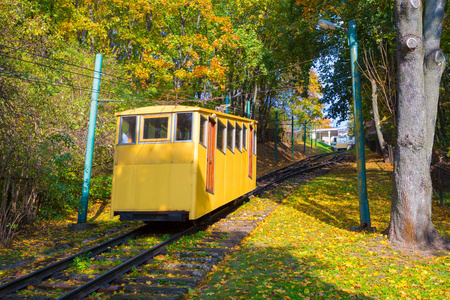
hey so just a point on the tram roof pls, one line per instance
(161, 109)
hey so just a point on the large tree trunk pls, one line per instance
(420, 66)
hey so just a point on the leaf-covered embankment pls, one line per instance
(305, 250)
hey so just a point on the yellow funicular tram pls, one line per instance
(178, 163)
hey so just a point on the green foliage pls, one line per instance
(82, 263)
(101, 188)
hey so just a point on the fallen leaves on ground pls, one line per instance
(45, 241)
(305, 250)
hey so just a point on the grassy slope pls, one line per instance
(304, 250)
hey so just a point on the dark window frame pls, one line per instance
(136, 125)
(245, 137)
(175, 133)
(232, 143)
(238, 143)
(255, 136)
(205, 133)
(224, 137)
(168, 139)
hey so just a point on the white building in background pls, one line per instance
(328, 135)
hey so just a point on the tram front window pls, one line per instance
(128, 130)
(184, 127)
(156, 128)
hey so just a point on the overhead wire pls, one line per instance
(57, 69)
(49, 58)
(87, 89)
(76, 73)
(58, 60)
(43, 65)
(36, 79)
(177, 93)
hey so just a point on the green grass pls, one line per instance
(305, 250)
(325, 147)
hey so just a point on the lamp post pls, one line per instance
(364, 213)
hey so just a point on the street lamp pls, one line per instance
(364, 214)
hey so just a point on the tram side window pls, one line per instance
(254, 142)
(128, 130)
(245, 137)
(221, 135)
(238, 137)
(184, 127)
(203, 124)
(155, 129)
(230, 136)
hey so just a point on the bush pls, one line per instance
(101, 187)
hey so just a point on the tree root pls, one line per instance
(433, 241)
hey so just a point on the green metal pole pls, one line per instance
(82, 210)
(276, 135)
(249, 106)
(312, 128)
(304, 138)
(227, 101)
(361, 162)
(292, 135)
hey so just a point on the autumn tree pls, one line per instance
(308, 107)
(420, 67)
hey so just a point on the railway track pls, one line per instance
(139, 265)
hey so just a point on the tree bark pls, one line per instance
(410, 223)
(435, 62)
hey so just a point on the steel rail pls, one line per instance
(93, 285)
(309, 163)
(298, 171)
(49, 270)
(295, 164)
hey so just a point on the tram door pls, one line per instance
(210, 156)
(250, 153)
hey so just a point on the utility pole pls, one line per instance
(292, 135)
(304, 138)
(227, 101)
(276, 135)
(82, 211)
(361, 160)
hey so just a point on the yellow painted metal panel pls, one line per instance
(152, 187)
(180, 187)
(244, 174)
(219, 180)
(195, 136)
(172, 175)
(238, 183)
(229, 172)
(123, 194)
(204, 199)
